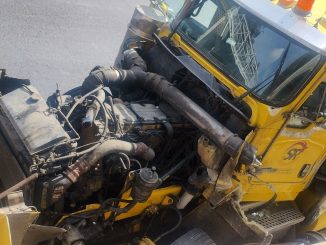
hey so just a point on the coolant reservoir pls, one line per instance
(144, 23)
(210, 154)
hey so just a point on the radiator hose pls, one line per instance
(136, 74)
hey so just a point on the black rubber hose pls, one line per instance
(133, 60)
(105, 75)
(176, 226)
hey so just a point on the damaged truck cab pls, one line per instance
(274, 62)
(265, 61)
(209, 129)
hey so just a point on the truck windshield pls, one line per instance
(252, 53)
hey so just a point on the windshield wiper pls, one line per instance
(256, 88)
(275, 75)
(278, 72)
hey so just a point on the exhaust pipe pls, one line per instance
(214, 130)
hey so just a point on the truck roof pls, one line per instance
(291, 24)
(318, 15)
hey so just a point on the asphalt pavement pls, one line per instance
(60, 41)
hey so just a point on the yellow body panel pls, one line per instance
(306, 200)
(5, 236)
(268, 121)
(159, 197)
(318, 14)
(320, 224)
(14, 225)
(146, 241)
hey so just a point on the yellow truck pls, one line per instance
(209, 129)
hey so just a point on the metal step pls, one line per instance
(278, 217)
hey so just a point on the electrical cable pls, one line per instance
(137, 162)
(116, 122)
(70, 125)
(75, 154)
(125, 156)
(176, 226)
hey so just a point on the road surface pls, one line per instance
(60, 41)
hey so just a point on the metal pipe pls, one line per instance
(19, 185)
(81, 99)
(106, 118)
(84, 163)
(213, 129)
(178, 166)
(74, 154)
(93, 109)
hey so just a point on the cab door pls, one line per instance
(298, 151)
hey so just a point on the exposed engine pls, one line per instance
(113, 142)
(155, 149)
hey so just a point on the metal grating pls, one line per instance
(279, 217)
